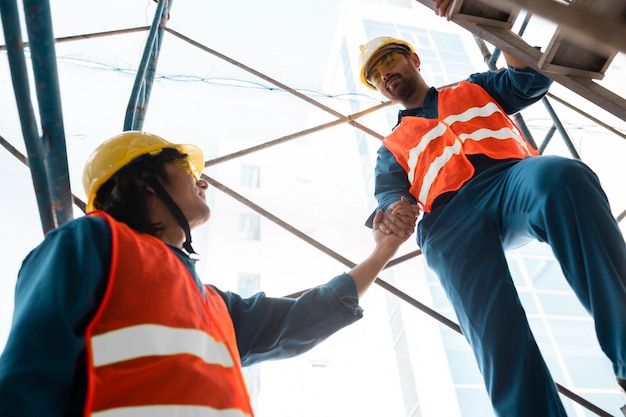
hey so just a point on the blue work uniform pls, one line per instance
(60, 287)
(464, 238)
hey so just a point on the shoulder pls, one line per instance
(461, 88)
(84, 235)
(76, 255)
(81, 227)
(510, 77)
(513, 88)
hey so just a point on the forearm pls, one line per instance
(390, 180)
(389, 230)
(365, 273)
(513, 62)
(270, 328)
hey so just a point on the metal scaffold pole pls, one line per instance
(47, 155)
(140, 95)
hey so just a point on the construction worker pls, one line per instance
(111, 319)
(483, 189)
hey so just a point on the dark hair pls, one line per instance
(123, 196)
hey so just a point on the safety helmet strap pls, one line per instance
(174, 209)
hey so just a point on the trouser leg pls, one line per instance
(463, 246)
(563, 204)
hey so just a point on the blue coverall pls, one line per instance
(552, 199)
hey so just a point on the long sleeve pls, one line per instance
(390, 182)
(513, 88)
(278, 328)
(59, 287)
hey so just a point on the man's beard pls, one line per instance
(402, 89)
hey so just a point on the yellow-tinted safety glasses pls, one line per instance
(385, 62)
(186, 165)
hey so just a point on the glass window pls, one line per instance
(463, 367)
(473, 401)
(562, 304)
(528, 301)
(517, 275)
(608, 402)
(409, 390)
(249, 226)
(585, 374)
(374, 29)
(248, 284)
(251, 176)
(550, 277)
(440, 299)
(576, 338)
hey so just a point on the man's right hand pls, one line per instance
(442, 8)
(400, 218)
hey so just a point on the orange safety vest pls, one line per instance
(434, 152)
(155, 347)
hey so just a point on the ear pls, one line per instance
(415, 60)
(149, 189)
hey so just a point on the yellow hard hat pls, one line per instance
(117, 152)
(372, 48)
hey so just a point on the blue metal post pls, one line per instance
(547, 138)
(43, 55)
(19, 77)
(559, 126)
(140, 95)
(521, 123)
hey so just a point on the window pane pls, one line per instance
(250, 176)
(249, 226)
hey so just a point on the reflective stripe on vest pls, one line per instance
(433, 151)
(151, 339)
(156, 347)
(170, 411)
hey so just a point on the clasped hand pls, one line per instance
(399, 219)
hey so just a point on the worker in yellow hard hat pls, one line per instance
(483, 188)
(111, 317)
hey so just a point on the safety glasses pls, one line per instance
(385, 62)
(186, 165)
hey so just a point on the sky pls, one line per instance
(198, 97)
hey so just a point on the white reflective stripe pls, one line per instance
(414, 153)
(480, 134)
(484, 111)
(449, 151)
(170, 411)
(435, 167)
(436, 132)
(454, 149)
(152, 339)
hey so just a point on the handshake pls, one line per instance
(399, 219)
